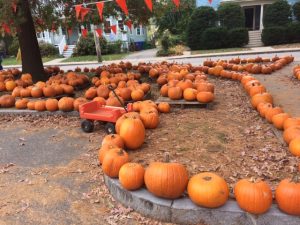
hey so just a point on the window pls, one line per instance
(139, 30)
(121, 25)
(107, 28)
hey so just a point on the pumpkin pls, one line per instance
(166, 180)
(113, 161)
(175, 93)
(290, 133)
(103, 91)
(113, 101)
(90, 93)
(263, 97)
(125, 93)
(40, 105)
(164, 107)
(58, 89)
(78, 102)
(21, 103)
(208, 190)
(149, 118)
(2, 86)
(294, 121)
(205, 87)
(137, 95)
(205, 97)
(294, 146)
(17, 92)
(66, 104)
(36, 92)
(24, 93)
(68, 89)
(49, 91)
(288, 197)
(145, 87)
(257, 90)
(253, 197)
(131, 176)
(40, 84)
(10, 85)
(279, 119)
(132, 131)
(113, 139)
(31, 105)
(190, 94)
(272, 112)
(7, 101)
(184, 84)
(123, 117)
(263, 107)
(103, 150)
(51, 104)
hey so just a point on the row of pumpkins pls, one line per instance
(253, 68)
(170, 180)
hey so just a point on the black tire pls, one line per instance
(110, 128)
(87, 126)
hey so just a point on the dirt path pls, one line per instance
(284, 88)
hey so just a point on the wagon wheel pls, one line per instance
(110, 128)
(87, 126)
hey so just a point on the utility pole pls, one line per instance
(98, 47)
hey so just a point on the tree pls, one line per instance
(231, 15)
(296, 10)
(27, 16)
(202, 18)
(277, 14)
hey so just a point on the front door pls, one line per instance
(249, 17)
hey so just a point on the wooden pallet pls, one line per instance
(183, 103)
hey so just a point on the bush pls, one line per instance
(178, 49)
(114, 47)
(293, 32)
(202, 18)
(215, 37)
(165, 52)
(277, 14)
(165, 41)
(274, 35)
(13, 47)
(231, 15)
(86, 46)
(238, 37)
(47, 49)
(296, 10)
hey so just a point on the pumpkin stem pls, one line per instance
(167, 157)
(207, 178)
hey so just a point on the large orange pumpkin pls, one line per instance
(263, 107)
(123, 117)
(66, 104)
(113, 161)
(205, 97)
(190, 94)
(290, 122)
(36, 92)
(25, 92)
(150, 119)
(78, 102)
(103, 150)
(21, 103)
(91, 93)
(166, 180)
(31, 105)
(49, 91)
(51, 105)
(288, 196)
(40, 105)
(175, 93)
(263, 97)
(137, 95)
(131, 176)
(164, 107)
(208, 190)
(272, 112)
(290, 133)
(253, 197)
(132, 131)
(10, 85)
(279, 119)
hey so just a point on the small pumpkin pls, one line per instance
(272, 112)
(49, 91)
(51, 104)
(21, 103)
(190, 94)
(253, 196)
(290, 122)
(103, 150)
(123, 117)
(113, 161)
(40, 105)
(113, 139)
(262, 97)
(288, 196)
(78, 102)
(175, 93)
(290, 133)
(137, 95)
(279, 119)
(294, 146)
(10, 85)
(31, 105)
(91, 93)
(205, 97)
(131, 176)
(164, 107)
(66, 104)
(208, 190)
(36, 92)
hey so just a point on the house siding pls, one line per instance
(215, 3)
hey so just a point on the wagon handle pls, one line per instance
(113, 90)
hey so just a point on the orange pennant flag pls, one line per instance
(84, 32)
(123, 6)
(210, 1)
(129, 24)
(100, 6)
(6, 28)
(99, 32)
(177, 3)
(77, 9)
(149, 4)
(84, 12)
(114, 28)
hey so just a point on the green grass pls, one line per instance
(13, 61)
(219, 50)
(87, 58)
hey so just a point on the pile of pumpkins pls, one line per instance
(126, 86)
(8, 81)
(170, 180)
(296, 72)
(254, 66)
(178, 82)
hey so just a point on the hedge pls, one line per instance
(215, 37)
(274, 35)
(238, 37)
(277, 14)
(231, 15)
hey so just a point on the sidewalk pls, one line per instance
(187, 55)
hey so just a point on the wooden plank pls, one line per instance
(183, 103)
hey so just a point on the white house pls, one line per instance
(254, 11)
(61, 38)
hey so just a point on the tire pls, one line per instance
(87, 126)
(110, 128)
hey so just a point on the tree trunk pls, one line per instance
(30, 52)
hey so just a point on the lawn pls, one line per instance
(13, 61)
(219, 50)
(87, 58)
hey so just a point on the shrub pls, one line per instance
(47, 49)
(293, 32)
(165, 52)
(86, 46)
(296, 10)
(277, 14)
(165, 41)
(274, 35)
(202, 18)
(13, 47)
(231, 15)
(114, 47)
(238, 37)
(178, 49)
(215, 37)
